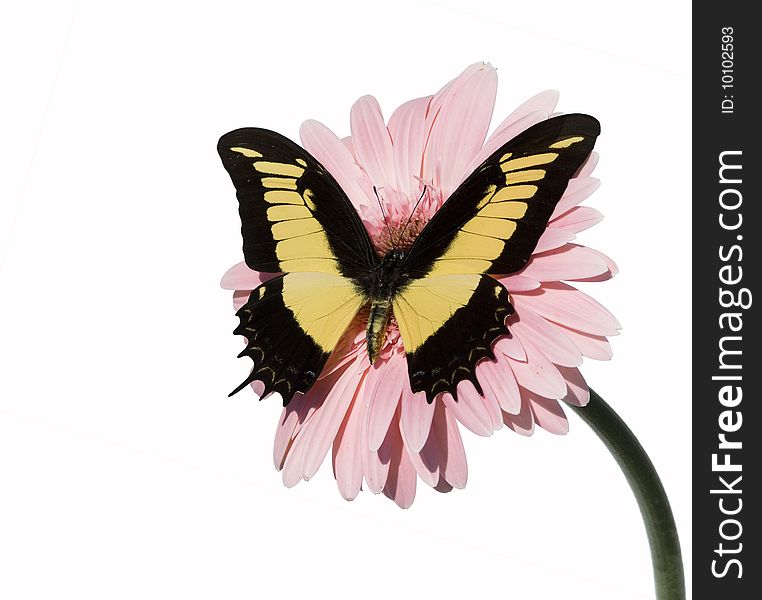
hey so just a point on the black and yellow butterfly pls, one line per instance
(296, 220)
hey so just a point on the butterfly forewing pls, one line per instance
(492, 222)
(294, 216)
(490, 225)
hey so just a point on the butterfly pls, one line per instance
(297, 221)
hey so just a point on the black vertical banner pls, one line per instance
(727, 429)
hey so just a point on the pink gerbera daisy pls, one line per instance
(378, 429)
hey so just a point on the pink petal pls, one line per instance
(329, 419)
(569, 262)
(503, 134)
(329, 150)
(498, 381)
(548, 414)
(578, 219)
(240, 297)
(415, 417)
(426, 465)
(492, 405)
(589, 165)
(442, 486)
(292, 464)
(401, 488)
(401, 479)
(375, 470)
(349, 145)
(432, 455)
(469, 409)
(286, 429)
(408, 132)
(578, 190)
(459, 127)
(517, 283)
(336, 362)
(373, 145)
(523, 422)
(530, 327)
(553, 237)
(455, 469)
(316, 435)
(241, 277)
(258, 388)
(313, 400)
(544, 101)
(534, 110)
(384, 389)
(538, 374)
(510, 346)
(348, 450)
(429, 478)
(578, 393)
(444, 95)
(339, 358)
(444, 453)
(563, 304)
(612, 267)
(592, 346)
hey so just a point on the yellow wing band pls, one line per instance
(323, 305)
(482, 239)
(301, 243)
(426, 304)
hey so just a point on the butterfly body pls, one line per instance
(388, 277)
(297, 221)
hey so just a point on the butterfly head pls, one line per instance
(395, 256)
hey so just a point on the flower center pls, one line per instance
(398, 235)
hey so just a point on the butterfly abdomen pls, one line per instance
(378, 319)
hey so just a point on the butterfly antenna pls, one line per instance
(410, 218)
(386, 219)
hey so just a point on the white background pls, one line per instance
(125, 472)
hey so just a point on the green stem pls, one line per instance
(649, 492)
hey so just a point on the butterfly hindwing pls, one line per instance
(490, 225)
(291, 324)
(295, 220)
(448, 324)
